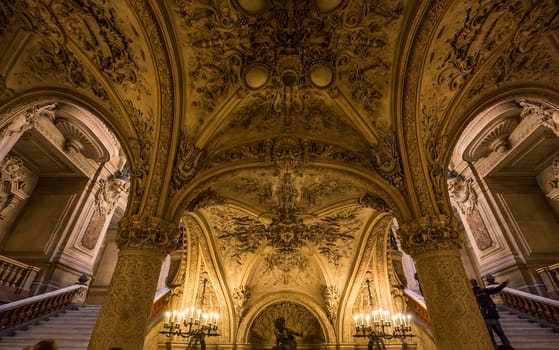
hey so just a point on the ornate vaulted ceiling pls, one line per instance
(285, 127)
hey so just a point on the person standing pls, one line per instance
(489, 310)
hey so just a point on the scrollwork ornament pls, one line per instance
(146, 232)
(109, 193)
(430, 233)
(331, 297)
(241, 295)
(187, 163)
(462, 193)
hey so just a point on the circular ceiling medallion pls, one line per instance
(328, 5)
(252, 5)
(321, 75)
(256, 76)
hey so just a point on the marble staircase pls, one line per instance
(71, 329)
(525, 334)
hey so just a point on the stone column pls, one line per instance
(434, 243)
(143, 244)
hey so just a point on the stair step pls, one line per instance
(70, 329)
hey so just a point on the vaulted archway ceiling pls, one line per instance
(288, 116)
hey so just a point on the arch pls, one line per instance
(370, 182)
(372, 248)
(258, 306)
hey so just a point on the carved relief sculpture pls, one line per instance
(547, 115)
(13, 181)
(241, 296)
(464, 197)
(331, 297)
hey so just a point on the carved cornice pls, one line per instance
(147, 232)
(430, 234)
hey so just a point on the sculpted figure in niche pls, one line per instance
(285, 337)
(462, 193)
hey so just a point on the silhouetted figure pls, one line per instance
(48, 344)
(416, 277)
(489, 310)
(285, 337)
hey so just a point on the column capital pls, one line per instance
(429, 234)
(146, 232)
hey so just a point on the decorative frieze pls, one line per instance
(429, 234)
(146, 232)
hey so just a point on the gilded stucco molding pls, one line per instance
(164, 117)
(411, 139)
(286, 48)
(528, 54)
(145, 232)
(429, 234)
(188, 162)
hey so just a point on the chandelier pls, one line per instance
(379, 325)
(193, 323)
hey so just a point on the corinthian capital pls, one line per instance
(430, 233)
(146, 232)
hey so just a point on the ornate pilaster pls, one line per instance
(434, 243)
(143, 243)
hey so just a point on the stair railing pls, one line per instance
(416, 306)
(18, 313)
(532, 305)
(15, 275)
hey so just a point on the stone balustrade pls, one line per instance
(550, 276)
(16, 277)
(532, 305)
(20, 312)
(416, 306)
